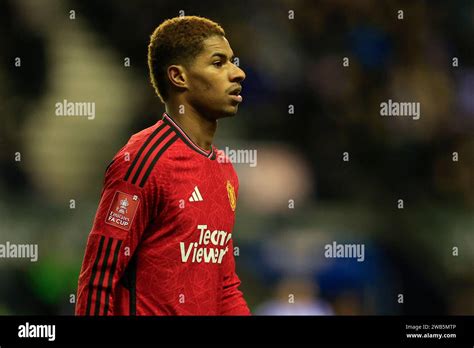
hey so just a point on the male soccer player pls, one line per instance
(161, 242)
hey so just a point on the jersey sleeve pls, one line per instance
(122, 217)
(233, 302)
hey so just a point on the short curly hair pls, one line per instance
(177, 41)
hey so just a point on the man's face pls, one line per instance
(214, 80)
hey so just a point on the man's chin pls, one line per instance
(228, 111)
(231, 111)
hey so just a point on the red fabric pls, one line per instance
(148, 224)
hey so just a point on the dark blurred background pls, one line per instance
(301, 195)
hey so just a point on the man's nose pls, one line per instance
(238, 75)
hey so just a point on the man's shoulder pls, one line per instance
(224, 159)
(226, 162)
(137, 159)
(145, 135)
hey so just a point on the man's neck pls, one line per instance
(199, 129)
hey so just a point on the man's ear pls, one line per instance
(177, 76)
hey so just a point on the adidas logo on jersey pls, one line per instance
(196, 196)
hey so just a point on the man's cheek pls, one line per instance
(207, 87)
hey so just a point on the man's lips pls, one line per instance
(235, 94)
(238, 98)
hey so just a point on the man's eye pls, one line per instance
(218, 63)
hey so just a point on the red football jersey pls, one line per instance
(161, 242)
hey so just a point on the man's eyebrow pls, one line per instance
(221, 55)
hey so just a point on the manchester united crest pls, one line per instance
(231, 194)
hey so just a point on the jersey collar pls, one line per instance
(187, 140)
